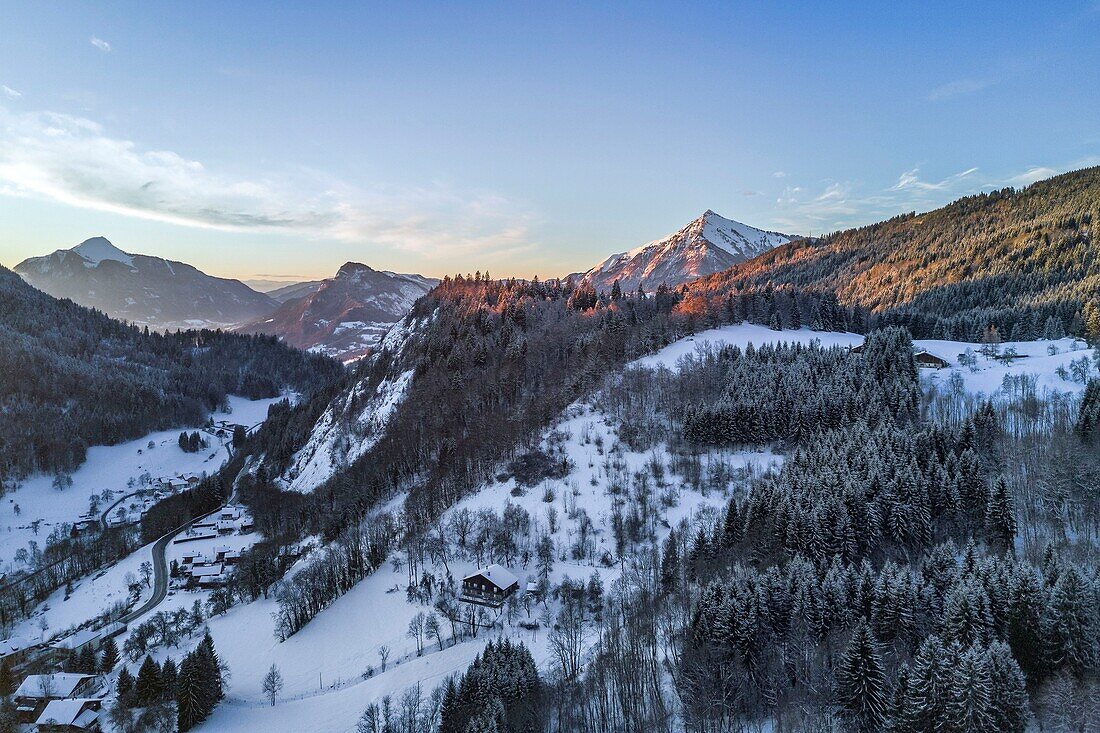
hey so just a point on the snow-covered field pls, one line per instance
(31, 512)
(986, 376)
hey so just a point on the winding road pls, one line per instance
(160, 570)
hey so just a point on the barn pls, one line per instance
(489, 586)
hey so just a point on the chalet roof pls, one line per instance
(69, 712)
(498, 575)
(62, 684)
(929, 354)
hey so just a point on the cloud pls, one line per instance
(840, 205)
(958, 88)
(9, 92)
(910, 180)
(74, 161)
(1031, 175)
(779, 174)
(101, 44)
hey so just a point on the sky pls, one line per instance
(262, 141)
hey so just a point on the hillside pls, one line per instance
(708, 244)
(345, 315)
(71, 377)
(1024, 260)
(147, 291)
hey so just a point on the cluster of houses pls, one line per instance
(222, 429)
(135, 508)
(69, 702)
(211, 568)
(63, 701)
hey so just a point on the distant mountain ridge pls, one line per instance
(346, 315)
(144, 290)
(709, 244)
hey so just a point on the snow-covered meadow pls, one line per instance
(36, 508)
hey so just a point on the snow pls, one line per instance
(742, 335)
(98, 249)
(111, 468)
(986, 378)
(325, 665)
(340, 437)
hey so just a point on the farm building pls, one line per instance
(489, 586)
(14, 650)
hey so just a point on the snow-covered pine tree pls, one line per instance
(861, 683)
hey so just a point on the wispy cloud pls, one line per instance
(75, 161)
(1031, 175)
(9, 92)
(101, 44)
(958, 88)
(779, 174)
(839, 205)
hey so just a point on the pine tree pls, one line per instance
(192, 696)
(110, 656)
(1010, 709)
(861, 683)
(86, 661)
(969, 702)
(212, 666)
(1000, 518)
(125, 686)
(929, 682)
(7, 683)
(148, 687)
(168, 677)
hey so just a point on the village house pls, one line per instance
(70, 716)
(37, 690)
(928, 360)
(489, 586)
(14, 650)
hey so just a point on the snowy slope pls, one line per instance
(352, 423)
(325, 664)
(118, 469)
(986, 377)
(708, 244)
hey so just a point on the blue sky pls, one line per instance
(253, 140)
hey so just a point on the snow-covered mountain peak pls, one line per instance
(97, 249)
(707, 244)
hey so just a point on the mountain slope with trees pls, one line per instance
(1024, 261)
(71, 377)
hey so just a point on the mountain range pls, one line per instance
(343, 316)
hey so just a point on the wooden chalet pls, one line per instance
(928, 360)
(489, 586)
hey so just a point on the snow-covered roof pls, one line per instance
(13, 645)
(498, 575)
(62, 684)
(79, 639)
(69, 712)
(207, 570)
